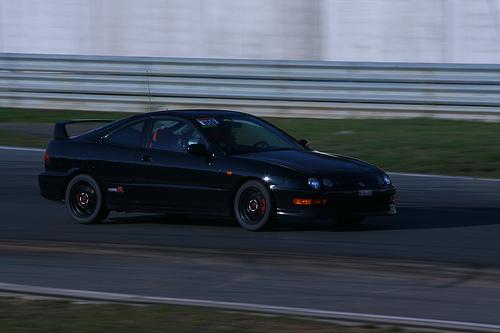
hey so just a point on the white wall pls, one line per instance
(463, 31)
(356, 30)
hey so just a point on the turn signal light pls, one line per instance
(308, 202)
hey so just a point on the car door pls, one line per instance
(171, 178)
(117, 164)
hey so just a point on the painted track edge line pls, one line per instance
(282, 310)
(423, 175)
(22, 148)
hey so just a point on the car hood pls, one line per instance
(312, 162)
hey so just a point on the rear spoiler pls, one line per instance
(60, 132)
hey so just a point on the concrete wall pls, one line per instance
(463, 31)
(466, 31)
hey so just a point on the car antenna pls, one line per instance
(149, 91)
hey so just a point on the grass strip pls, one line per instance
(22, 315)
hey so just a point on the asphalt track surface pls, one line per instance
(438, 259)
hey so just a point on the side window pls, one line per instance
(173, 135)
(130, 135)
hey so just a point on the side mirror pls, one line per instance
(197, 149)
(304, 143)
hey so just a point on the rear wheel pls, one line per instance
(85, 201)
(253, 207)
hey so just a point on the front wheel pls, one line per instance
(253, 206)
(85, 201)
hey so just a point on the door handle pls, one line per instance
(146, 158)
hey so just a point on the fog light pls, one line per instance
(302, 202)
(308, 202)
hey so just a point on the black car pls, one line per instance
(213, 162)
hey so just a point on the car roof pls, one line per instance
(193, 113)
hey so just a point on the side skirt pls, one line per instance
(159, 209)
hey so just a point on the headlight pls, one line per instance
(314, 183)
(327, 182)
(387, 179)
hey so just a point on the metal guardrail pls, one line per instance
(266, 88)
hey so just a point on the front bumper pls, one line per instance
(338, 204)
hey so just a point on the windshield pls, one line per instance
(245, 134)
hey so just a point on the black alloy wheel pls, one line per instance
(84, 200)
(253, 207)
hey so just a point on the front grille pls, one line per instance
(358, 181)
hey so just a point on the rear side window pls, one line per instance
(130, 135)
(173, 135)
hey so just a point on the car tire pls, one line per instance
(84, 200)
(253, 206)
